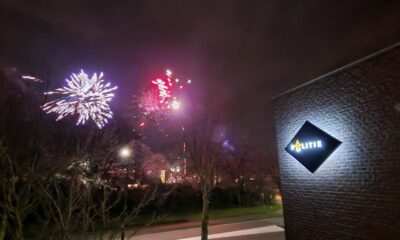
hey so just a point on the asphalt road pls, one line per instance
(266, 229)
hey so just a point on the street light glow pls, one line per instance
(125, 152)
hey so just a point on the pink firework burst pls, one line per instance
(159, 100)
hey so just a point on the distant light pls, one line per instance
(189, 81)
(168, 72)
(162, 176)
(141, 124)
(135, 185)
(278, 198)
(175, 169)
(125, 152)
(176, 80)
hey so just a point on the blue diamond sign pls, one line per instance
(311, 146)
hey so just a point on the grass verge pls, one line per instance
(215, 214)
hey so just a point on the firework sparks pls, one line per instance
(32, 78)
(87, 97)
(164, 92)
(168, 90)
(160, 100)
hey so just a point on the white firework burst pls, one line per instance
(87, 97)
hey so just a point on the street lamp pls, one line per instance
(125, 153)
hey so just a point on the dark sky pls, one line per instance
(238, 53)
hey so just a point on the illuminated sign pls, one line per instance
(298, 146)
(311, 146)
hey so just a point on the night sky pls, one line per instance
(239, 54)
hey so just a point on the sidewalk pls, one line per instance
(252, 229)
(193, 224)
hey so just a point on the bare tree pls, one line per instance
(53, 181)
(203, 153)
(18, 195)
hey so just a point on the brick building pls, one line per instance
(355, 192)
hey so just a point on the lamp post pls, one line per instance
(125, 153)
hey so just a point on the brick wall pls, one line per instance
(355, 193)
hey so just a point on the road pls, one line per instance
(266, 229)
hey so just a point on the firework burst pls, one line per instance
(160, 100)
(86, 97)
